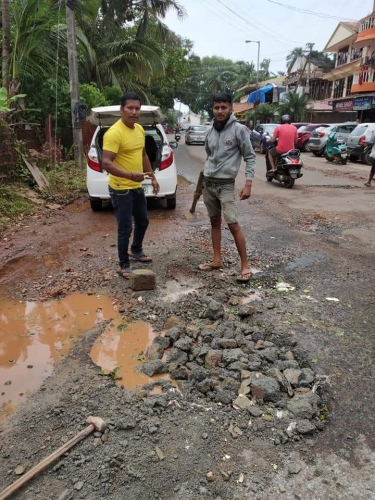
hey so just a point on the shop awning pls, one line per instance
(260, 94)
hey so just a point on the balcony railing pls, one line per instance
(367, 24)
(342, 58)
(366, 76)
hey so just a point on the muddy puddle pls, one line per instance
(120, 351)
(35, 335)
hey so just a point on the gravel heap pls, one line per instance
(229, 362)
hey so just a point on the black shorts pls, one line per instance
(273, 152)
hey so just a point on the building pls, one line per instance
(353, 78)
(305, 74)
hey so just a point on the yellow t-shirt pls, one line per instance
(127, 143)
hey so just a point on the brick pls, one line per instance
(142, 279)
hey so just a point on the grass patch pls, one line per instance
(13, 205)
(17, 199)
(66, 182)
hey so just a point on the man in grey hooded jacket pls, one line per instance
(227, 143)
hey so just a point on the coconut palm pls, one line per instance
(296, 52)
(295, 105)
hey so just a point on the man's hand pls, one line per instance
(155, 185)
(138, 176)
(245, 192)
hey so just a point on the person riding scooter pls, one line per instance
(286, 137)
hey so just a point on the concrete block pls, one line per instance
(142, 279)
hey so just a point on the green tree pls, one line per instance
(295, 105)
(296, 52)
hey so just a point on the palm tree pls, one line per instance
(156, 9)
(34, 43)
(295, 105)
(296, 52)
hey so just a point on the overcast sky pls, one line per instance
(220, 27)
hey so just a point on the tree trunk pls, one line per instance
(6, 43)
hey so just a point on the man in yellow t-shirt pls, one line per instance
(126, 161)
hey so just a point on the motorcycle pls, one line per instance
(288, 168)
(177, 137)
(336, 149)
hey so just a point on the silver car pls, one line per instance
(195, 134)
(318, 139)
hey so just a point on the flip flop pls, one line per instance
(244, 277)
(140, 257)
(208, 266)
(125, 272)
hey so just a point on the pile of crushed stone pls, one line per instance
(229, 362)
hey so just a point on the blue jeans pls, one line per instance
(129, 204)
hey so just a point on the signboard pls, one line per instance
(346, 105)
(361, 103)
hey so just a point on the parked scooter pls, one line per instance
(336, 149)
(288, 168)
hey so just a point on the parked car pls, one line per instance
(356, 142)
(299, 125)
(195, 134)
(261, 135)
(304, 133)
(158, 148)
(318, 139)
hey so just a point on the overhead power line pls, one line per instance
(311, 12)
(256, 26)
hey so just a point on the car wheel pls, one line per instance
(171, 202)
(366, 157)
(304, 147)
(96, 204)
(261, 148)
(318, 153)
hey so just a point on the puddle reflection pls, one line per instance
(119, 351)
(34, 335)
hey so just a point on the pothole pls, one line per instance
(35, 335)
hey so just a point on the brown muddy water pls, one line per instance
(36, 335)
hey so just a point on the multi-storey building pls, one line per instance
(353, 78)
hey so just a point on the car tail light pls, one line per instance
(93, 160)
(362, 140)
(321, 134)
(166, 158)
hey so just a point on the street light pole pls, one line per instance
(257, 77)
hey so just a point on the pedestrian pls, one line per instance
(227, 143)
(371, 142)
(126, 161)
(286, 137)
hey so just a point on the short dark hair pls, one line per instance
(222, 97)
(129, 96)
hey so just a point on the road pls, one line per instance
(317, 237)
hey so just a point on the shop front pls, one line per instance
(363, 106)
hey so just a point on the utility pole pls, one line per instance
(257, 78)
(6, 44)
(73, 79)
(309, 47)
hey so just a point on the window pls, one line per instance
(338, 88)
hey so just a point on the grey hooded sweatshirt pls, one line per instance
(225, 150)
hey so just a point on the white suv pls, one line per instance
(158, 148)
